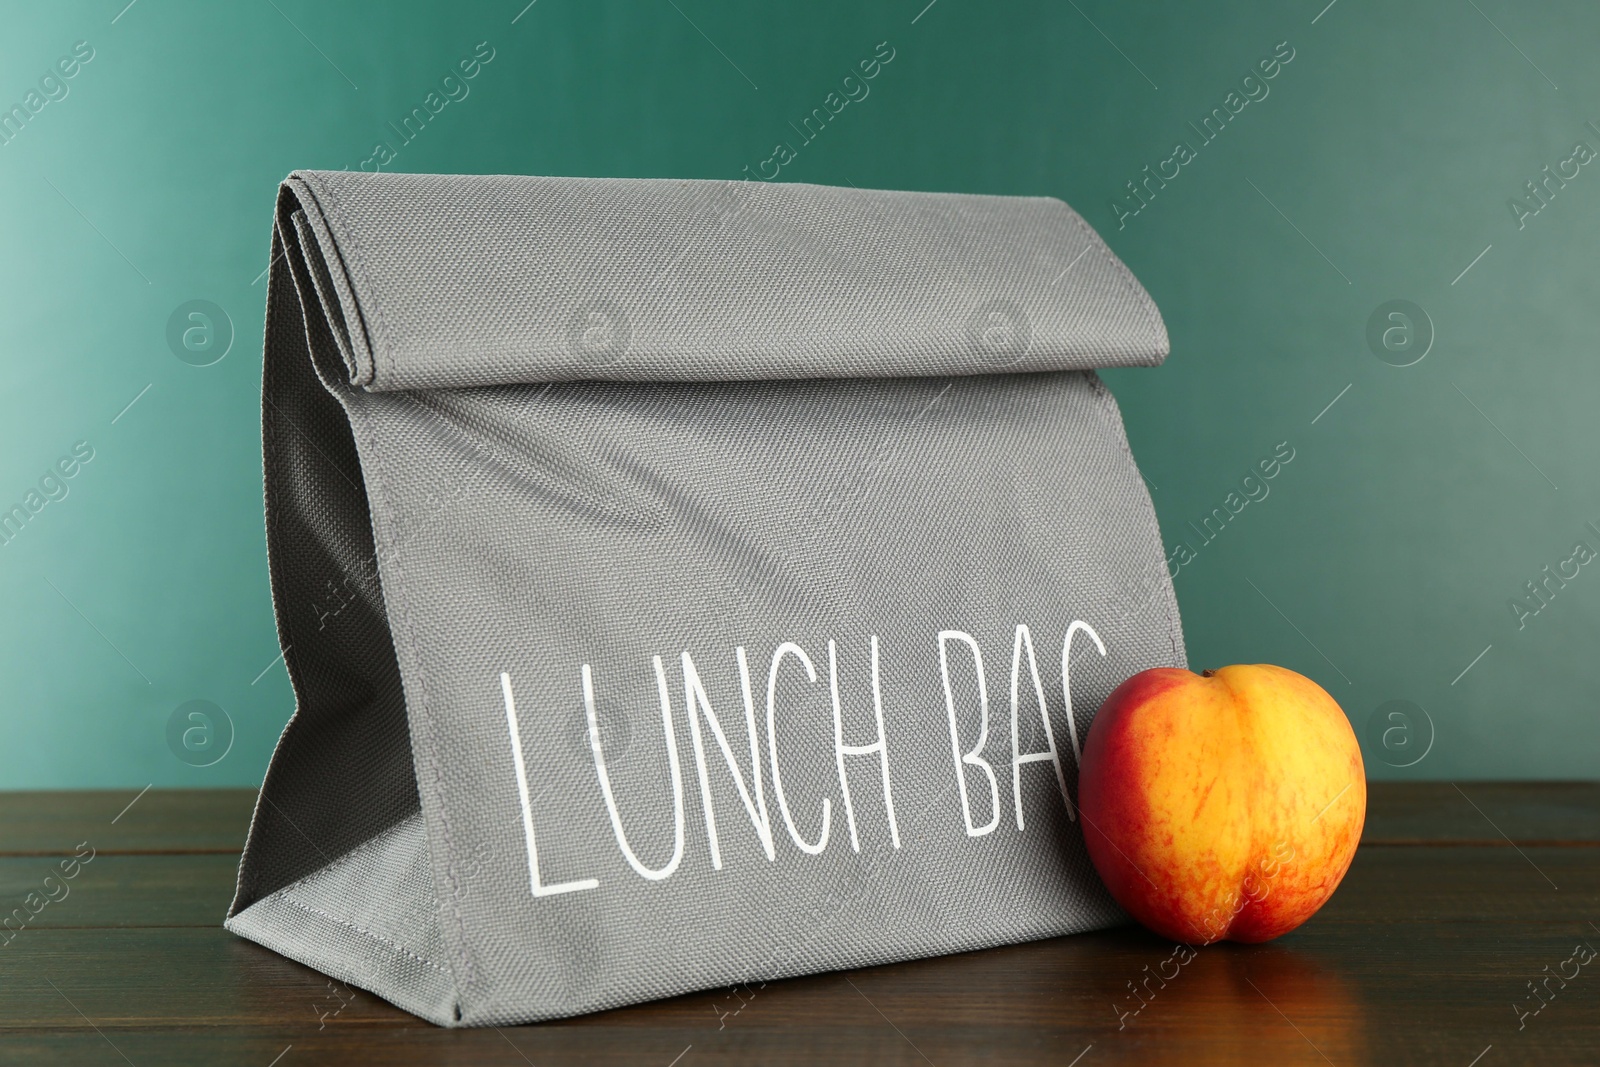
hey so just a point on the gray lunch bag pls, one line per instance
(686, 583)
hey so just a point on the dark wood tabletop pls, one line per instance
(1455, 939)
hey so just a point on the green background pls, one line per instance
(1379, 166)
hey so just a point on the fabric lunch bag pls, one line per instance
(686, 582)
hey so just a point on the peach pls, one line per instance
(1222, 805)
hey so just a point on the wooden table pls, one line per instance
(1458, 899)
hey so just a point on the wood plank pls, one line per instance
(1384, 885)
(1467, 884)
(160, 820)
(1483, 813)
(1435, 994)
(114, 890)
(218, 819)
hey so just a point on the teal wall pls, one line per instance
(1379, 164)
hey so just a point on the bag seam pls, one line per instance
(394, 946)
(1107, 404)
(430, 759)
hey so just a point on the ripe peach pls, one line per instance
(1222, 805)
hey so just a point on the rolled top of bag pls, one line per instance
(448, 281)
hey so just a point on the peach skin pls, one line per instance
(1225, 805)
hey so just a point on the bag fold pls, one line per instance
(444, 281)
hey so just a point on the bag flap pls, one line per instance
(443, 281)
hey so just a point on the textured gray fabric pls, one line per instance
(550, 279)
(367, 919)
(606, 519)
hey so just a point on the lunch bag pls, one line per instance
(686, 583)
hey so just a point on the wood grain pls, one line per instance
(1418, 959)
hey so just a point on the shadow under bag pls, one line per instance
(686, 583)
